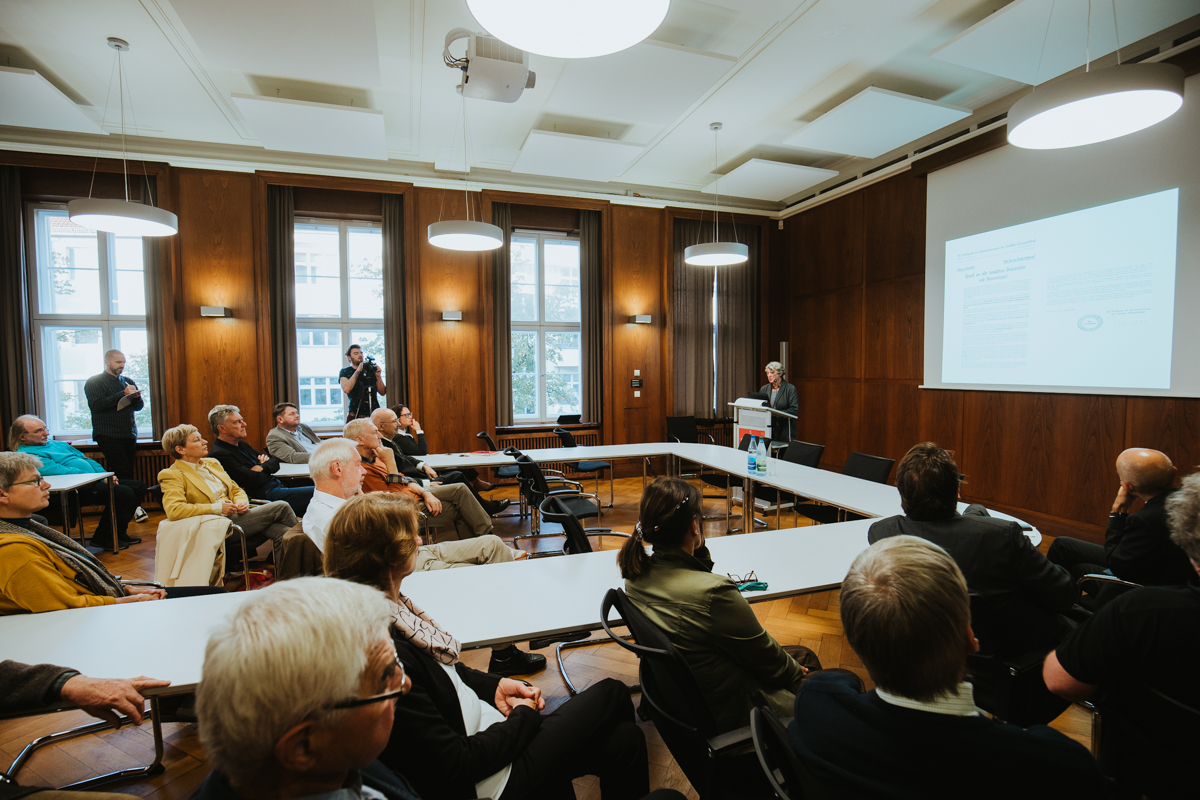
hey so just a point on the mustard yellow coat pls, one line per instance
(186, 494)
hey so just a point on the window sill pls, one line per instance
(546, 427)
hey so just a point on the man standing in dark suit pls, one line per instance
(1023, 593)
(250, 469)
(783, 397)
(1137, 547)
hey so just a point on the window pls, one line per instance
(339, 302)
(88, 295)
(547, 351)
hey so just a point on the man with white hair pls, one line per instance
(1137, 657)
(250, 469)
(783, 397)
(299, 691)
(337, 472)
(907, 615)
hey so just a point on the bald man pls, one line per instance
(113, 425)
(1137, 547)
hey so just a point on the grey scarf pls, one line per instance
(89, 573)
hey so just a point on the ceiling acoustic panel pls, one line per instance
(299, 127)
(1032, 41)
(648, 82)
(874, 122)
(28, 100)
(564, 155)
(307, 40)
(769, 180)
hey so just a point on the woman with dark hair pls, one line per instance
(461, 733)
(410, 437)
(738, 664)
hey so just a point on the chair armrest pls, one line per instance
(259, 502)
(1102, 578)
(710, 438)
(729, 742)
(155, 584)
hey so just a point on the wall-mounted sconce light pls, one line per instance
(452, 316)
(640, 319)
(216, 311)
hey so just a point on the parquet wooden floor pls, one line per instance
(811, 620)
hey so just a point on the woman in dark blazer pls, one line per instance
(461, 733)
(411, 440)
(783, 397)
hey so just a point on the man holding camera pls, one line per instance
(363, 382)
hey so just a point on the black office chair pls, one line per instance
(1147, 741)
(725, 481)
(554, 509)
(597, 467)
(685, 431)
(507, 473)
(718, 765)
(801, 453)
(858, 465)
(785, 770)
(536, 487)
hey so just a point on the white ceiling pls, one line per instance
(767, 69)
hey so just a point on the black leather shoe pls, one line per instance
(128, 540)
(105, 543)
(513, 661)
(494, 507)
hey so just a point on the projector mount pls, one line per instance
(492, 70)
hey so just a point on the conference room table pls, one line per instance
(63, 485)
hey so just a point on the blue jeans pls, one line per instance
(297, 498)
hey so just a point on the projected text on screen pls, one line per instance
(1081, 299)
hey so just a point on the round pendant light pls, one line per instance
(122, 217)
(461, 234)
(1095, 106)
(570, 28)
(716, 254)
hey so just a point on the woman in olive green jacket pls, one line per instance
(737, 664)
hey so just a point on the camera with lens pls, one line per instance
(369, 366)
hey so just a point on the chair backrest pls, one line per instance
(565, 437)
(786, 773)
(299, 556)
(683, 429)
(804, 454)
(555, 510)
(744, 444)
(868, 468)
(1147, 740)
(487, 437)
(533, 481)
(569, 419)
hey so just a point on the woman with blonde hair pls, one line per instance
(461, 733)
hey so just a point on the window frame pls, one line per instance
(105, 320)
(345, 323)
(542, 327)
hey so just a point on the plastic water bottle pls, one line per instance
(752, 455)
(762, 458)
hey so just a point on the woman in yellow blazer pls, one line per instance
(195, 485)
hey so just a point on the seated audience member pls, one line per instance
(250, 469)
(195, 485)
(1022, 593)
(737, 664)
(461, 733)
(1137, 547)
(1137, 658)
(43, 570)
(411, 439)
(337, 471)
(906, 614)
(26, 687)
(455, 502)
(385, 421)
(300, 686)
(29, 435)
(290, 441)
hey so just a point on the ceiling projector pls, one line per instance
(492, 70)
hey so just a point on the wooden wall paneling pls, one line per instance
(894, 329)
(829, 250)
(217, 252)
(830, 416)
(544, 218)
(890, 419)
(637, 288)
(827, 335)
(1169, 424)
(941, 419)
(451, 372)
(894, 227)
(320, 201)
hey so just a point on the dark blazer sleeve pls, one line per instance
(790, 402)
(414, 447)
(236, 466)
(25, 686)
(1045, 584)
(1135, 546)
(428, 744)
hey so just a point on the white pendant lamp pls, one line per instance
(716, 253)
(1095, 106)
(570, 28)
(464, 234)
(123, 217)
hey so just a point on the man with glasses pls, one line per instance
(299, 692)
(30, 435)
(250, 469)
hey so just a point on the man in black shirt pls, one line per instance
(250, 469)
(114, 428)
(363, 382)
(1137, 658)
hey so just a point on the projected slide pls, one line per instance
(1081, 299)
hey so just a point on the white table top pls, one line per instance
(65, 483)
(292, 471)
